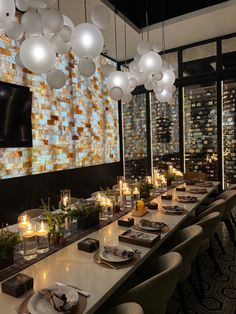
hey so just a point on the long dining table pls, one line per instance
(77, 268)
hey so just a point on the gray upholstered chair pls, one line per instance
(127, 308)
(209, 224)
(153, 293)
(186, 242)
(230, 202)
(216, 206)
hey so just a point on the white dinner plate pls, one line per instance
(39, 305)
(149, 228)
(113, 258)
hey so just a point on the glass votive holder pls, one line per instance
(104, 212)
(30, 243)
(135, 197)
(65, 201)
(23, 222)
(127, 197)
(42, 239)
(110, 209)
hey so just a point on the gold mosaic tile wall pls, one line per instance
(73, 127)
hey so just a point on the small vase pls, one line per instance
(53, 239)
(88, 221)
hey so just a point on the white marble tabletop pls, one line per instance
(78, 268)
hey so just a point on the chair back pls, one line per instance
(230, 201)
(209, 224)
(127, 308)
(216, 206)
(195, 175)
(153, 293)
(231, 187)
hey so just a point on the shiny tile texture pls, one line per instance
(73, 127)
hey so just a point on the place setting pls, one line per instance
(197, 190)
(173, 210)
(116, 257)
(187, 199)
(151, 226)
(58, 298)
(207, 184)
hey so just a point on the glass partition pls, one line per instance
(200, 123)
(229, 131)
(137, 164)
(165, 133)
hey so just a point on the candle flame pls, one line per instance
(42, 228)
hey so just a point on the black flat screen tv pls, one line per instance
(15, 116)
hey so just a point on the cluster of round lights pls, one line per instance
(147, 68)
(44, 33)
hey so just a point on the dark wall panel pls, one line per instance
(23, 193)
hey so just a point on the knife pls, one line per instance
(84, 293)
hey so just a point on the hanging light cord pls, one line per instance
(115, 34)
(85, 11)
(58, 5)
(146, 6)
(125, 39)
(147, 26)
(163, 40)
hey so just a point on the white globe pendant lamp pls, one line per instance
(116, 93)
(87, 40)
(7, 12)
(119, 79)
(86, 67)
(150, 62)
(37, 55)
(56, 79)
(100, 16)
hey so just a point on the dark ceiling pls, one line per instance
(158, 10)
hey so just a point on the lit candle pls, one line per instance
(42, 232)
(121, 201)
(65, 200)
(135, 191)
(23, 222)
(30, 232)
(42, 238)
(30, 243)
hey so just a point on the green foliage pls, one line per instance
(47, 206)
(56, 222)
(84, 208)
(145, 188)
(8, 239)
(111, 194)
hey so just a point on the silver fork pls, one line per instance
(99, 261)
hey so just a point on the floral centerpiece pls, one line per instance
(87, 213)
(145, 189)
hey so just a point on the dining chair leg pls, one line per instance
(182, 298)
(199, 277)
(230, 230)
(212, 256)
(233, 219)
(218, 240)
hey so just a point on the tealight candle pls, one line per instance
(23, 222)
(30, 243)
(135, 196)
(42, 238)
(121, 199)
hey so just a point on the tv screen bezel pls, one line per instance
(19, 144)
